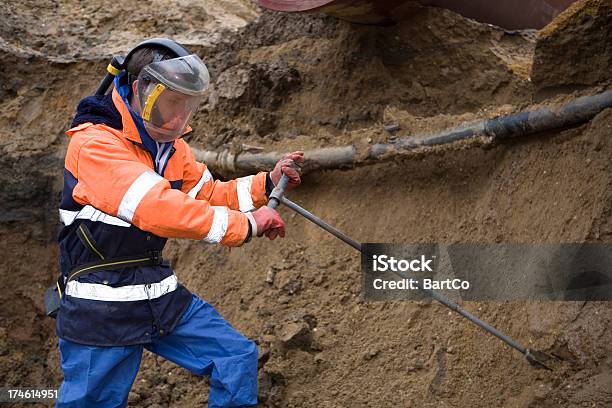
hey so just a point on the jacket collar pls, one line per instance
(130, 130)
(133, 127)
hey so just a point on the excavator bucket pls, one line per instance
(508, 14)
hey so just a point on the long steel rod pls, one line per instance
(446, 302)
(316, 220)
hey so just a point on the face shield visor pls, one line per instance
(169, 93)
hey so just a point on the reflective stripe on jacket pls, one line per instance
(112, 188)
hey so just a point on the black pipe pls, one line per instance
(577, 111)
(503, 127)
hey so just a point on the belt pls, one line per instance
(54, 294)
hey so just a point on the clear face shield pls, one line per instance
(169, 93)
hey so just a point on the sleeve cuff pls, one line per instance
(269, 185)
(252, 226)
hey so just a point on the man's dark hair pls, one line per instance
(144, 57)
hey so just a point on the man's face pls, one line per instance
(169, 114)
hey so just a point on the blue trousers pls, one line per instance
(202, 342)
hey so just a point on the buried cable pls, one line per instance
(504, 127)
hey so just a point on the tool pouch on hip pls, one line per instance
(52, 299)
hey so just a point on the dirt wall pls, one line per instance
(283, 82)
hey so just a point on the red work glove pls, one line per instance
(266, 221)
(290, 165)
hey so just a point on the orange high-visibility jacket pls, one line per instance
(129, 204)
(116, 176)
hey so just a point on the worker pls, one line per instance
(131, 182)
